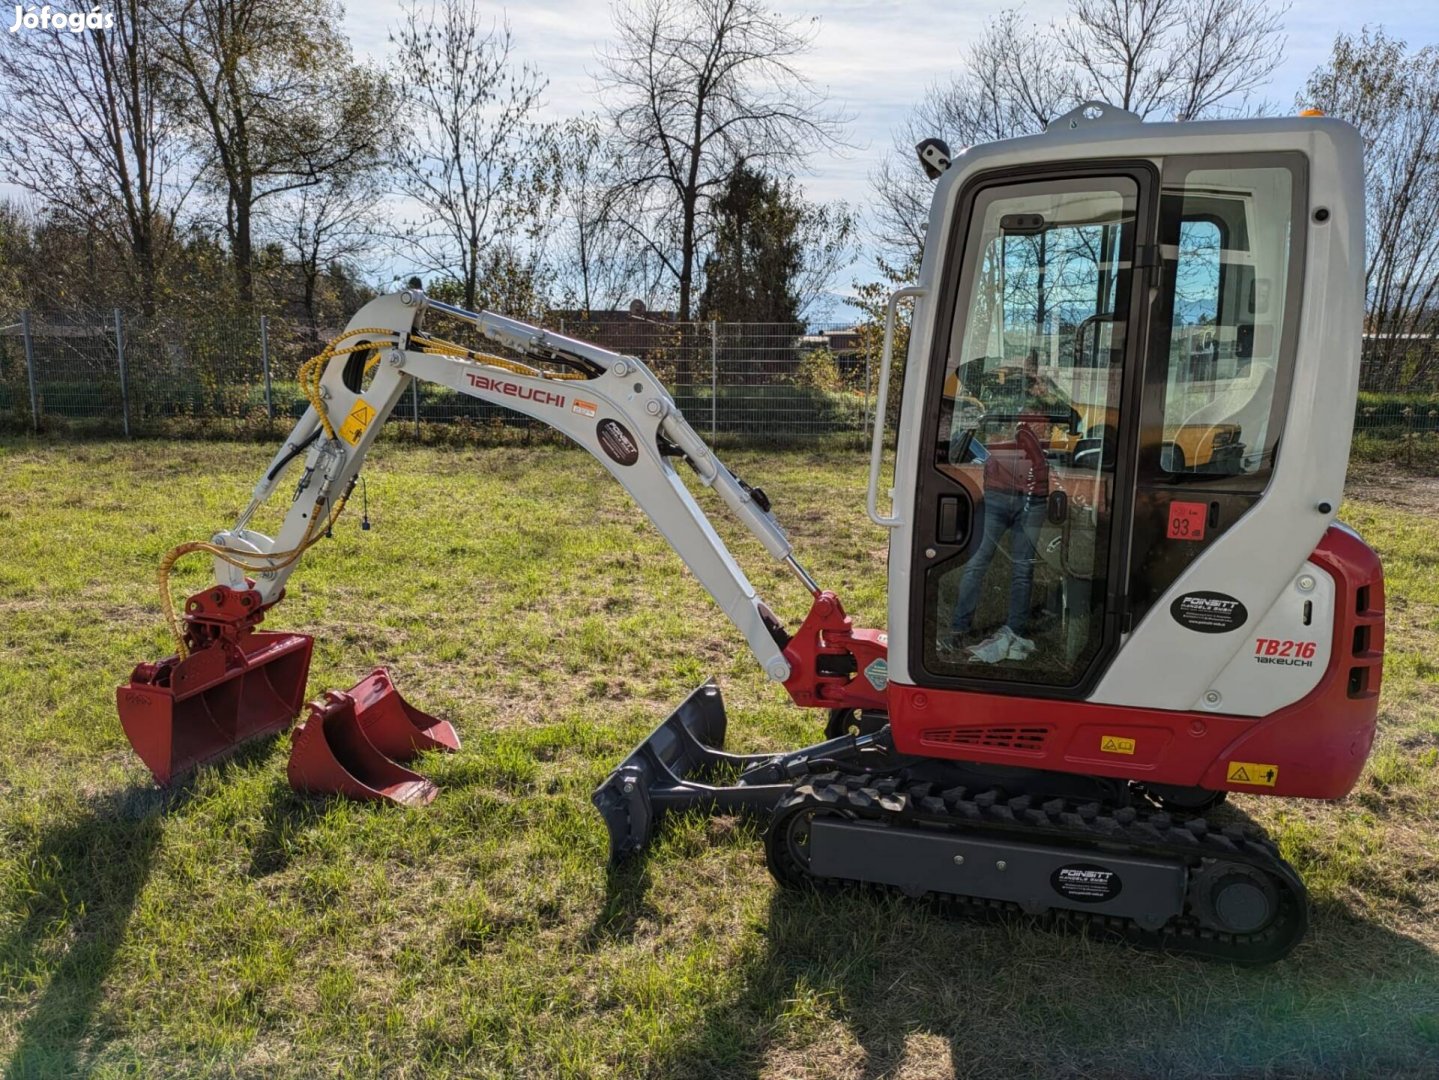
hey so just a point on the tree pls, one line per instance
(331, 225)
(1391, 94)
(1177, 59)
(511, 281)
(773, 252)
(1012, 82)
(600, 264)
(275, 103)
(89, 127)
(470, 150)
(692, 88)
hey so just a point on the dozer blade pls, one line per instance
(181, 713)
(333, 755)
(395, 727)
(674, 769)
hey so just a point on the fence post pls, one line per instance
(415, 386)
(124, 381)
(265, 365)
(714, 383)
(30, 367)
(864, 428)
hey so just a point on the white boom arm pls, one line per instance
(612, 405)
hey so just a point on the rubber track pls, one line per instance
(1084, 826)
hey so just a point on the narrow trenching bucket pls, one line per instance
(235, 685)
(395, 727)
(333, 755)
(352, 740)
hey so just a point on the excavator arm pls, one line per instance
(611, 405)
(230, 682)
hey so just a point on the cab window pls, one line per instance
(1226, 244)
(1028, 432)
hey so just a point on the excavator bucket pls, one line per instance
(395, 727)
(333, 755)
(352, 740)
(236, 684)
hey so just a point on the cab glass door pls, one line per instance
(1017, 515)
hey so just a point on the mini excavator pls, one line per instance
(1118, 590)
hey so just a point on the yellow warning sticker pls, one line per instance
(356, 423)
(1113, 744)
(1250, 772)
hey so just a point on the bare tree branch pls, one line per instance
(694, 88)
(471, 152)
(89, 129)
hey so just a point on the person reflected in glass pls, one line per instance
(1016, 488)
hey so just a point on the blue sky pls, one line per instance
(876, 59)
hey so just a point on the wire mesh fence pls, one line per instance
(112, 372)
(1399, 385)
(118, 373)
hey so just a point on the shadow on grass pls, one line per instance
(922, 993)
(85, 878)
(626, 905)
(285, 813)
(923, 990)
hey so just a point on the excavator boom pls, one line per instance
(231, 682)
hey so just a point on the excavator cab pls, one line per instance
(1191, 294)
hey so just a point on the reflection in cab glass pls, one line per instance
(1029, 420)
(1225, 242)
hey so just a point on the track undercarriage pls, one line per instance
(1088, 852)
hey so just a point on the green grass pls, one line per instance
(233, 928)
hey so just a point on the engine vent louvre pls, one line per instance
(1031, 739)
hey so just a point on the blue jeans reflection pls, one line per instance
(1004, 511)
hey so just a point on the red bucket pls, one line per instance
(396, 728)
(333, 754)
(237, 684)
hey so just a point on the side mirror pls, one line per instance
(933, 157)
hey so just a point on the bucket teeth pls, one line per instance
(349, 743)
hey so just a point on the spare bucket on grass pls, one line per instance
(350, 740)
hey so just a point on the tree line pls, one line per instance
(229, 154)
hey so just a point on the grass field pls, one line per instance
(233, 928)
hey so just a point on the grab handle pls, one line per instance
(876, 450)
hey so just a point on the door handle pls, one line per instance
(953, 520)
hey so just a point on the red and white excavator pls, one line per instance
(1117, 586)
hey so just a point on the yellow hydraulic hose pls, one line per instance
(309, 376)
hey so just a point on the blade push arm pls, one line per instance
(612, 405)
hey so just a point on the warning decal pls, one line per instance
(584, 408)
(356, 423)
(1113, 744)
(1249, 772)
(878, 673)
